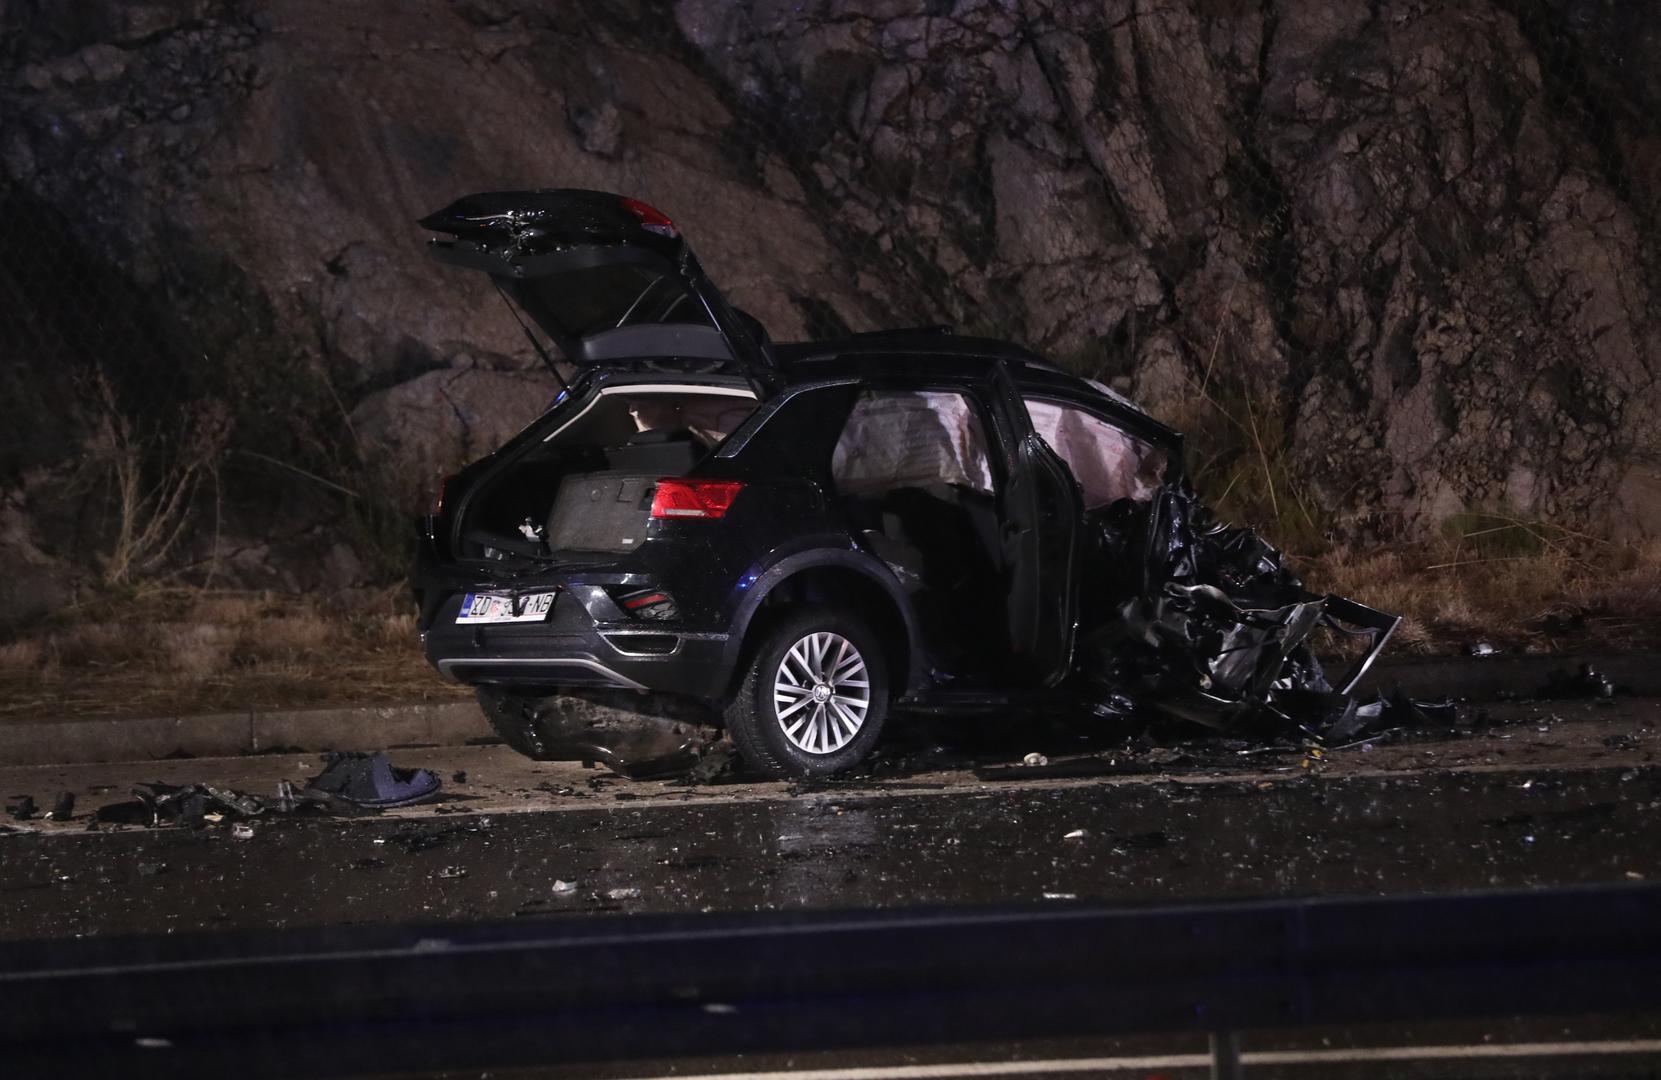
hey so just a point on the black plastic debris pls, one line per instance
(371, 780)
(1585, 682)
(643, 739)
(156, 804)
(717, 763)
(191, 805)
(1389, 711)
(64, 808)
(1204, 622)
(21, 807)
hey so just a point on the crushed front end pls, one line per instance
(1205, 622)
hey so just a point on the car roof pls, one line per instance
(936, 352)
(930, 352)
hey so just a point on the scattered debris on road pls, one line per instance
(194, 805)
(1585, 682)
(350, 784)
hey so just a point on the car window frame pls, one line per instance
(1172, 447)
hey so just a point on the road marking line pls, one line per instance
(1358, 1054)
(1471, 1051)
(965, 1068)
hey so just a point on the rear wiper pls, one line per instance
(530, 337)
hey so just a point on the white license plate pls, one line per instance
(501, 608)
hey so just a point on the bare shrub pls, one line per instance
(154, 477)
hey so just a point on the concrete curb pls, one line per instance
(368, 727)
(378, 727)
(1484, 678)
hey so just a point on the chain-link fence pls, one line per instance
(1391, 265)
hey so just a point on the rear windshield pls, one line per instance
(619, 417)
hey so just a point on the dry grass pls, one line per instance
(1490, 576)
(186, 651)
(1584, 595)
(173, 651)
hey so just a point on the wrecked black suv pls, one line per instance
(806, 536)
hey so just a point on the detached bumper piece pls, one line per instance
(1206, 623)
(633, 737)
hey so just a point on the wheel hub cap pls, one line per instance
(821, 693)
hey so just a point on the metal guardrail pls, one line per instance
(344, 1001)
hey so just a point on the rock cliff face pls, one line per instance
(1422, 236)
(1426, 233)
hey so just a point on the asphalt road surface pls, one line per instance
(1521, 794)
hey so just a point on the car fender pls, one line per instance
(781, 569)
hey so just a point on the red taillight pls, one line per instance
(438, 503)
(694, 498)
(651, 218)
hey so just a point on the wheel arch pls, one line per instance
(855, 581)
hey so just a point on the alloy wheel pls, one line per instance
(821, 693)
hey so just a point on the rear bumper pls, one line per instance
(572, 650)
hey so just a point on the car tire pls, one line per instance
(800, 709)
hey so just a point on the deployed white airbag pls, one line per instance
(1108, 464)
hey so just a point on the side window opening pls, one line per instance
(1107, 463)
(911, 439)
